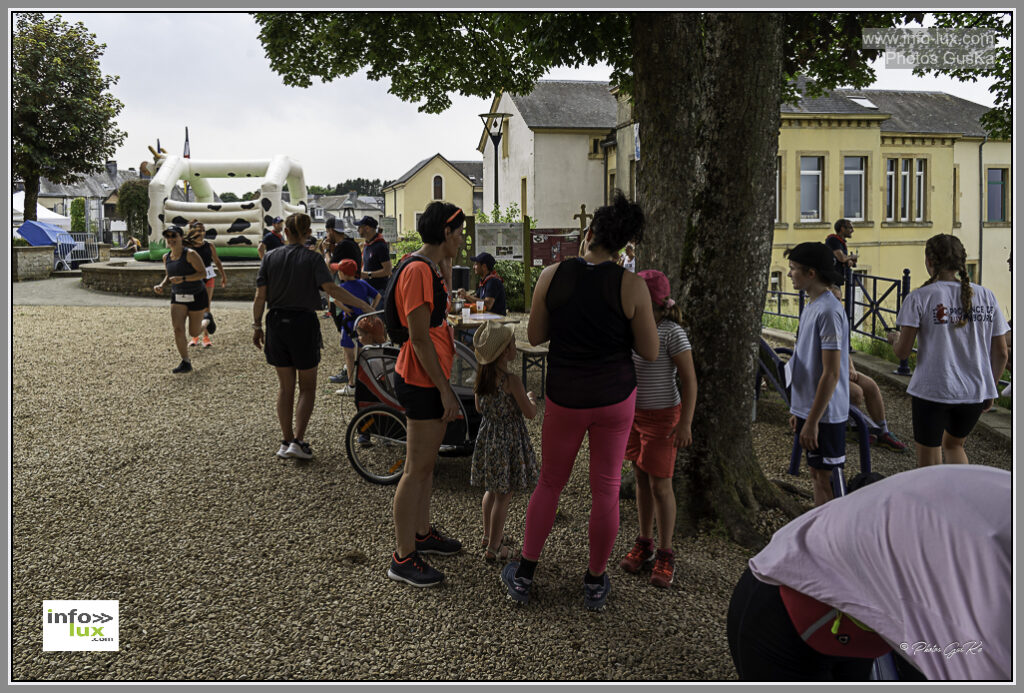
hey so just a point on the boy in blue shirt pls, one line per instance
(819, 368)
(347, 270)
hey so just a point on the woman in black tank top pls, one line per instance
(184, 271)
(196, 239)
(595, 314)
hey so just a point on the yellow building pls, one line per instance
(435, 178)
(901, 165)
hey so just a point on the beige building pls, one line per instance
(901, 165)
(434, 178)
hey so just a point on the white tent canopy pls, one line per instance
(42, 213)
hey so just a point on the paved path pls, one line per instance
(68, 291)
(998, 421)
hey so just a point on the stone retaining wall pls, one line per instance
(31, 262)
(121, 252)
(132, 278)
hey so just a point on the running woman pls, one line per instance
(183, 268)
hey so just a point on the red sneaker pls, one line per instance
(664, 562)
(641, 554)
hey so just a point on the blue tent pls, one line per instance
(39, 233)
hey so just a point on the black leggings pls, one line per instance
(766, 647)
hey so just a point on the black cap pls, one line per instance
(819, 257)
(484, 259)
(367, 221)
(330, 223)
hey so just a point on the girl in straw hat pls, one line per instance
(503, 459)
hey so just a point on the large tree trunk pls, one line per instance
(707, 93)
(31, 197)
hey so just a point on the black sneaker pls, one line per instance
(518, 589)
(594, 596)
(183, 367)
(414, 570)
(340, 377)
(211, 326)
(435, 542)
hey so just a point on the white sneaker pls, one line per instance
(300, 449)
(347, 390)
(282, 451)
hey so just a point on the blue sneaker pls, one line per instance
(340, 377)
(518, 589)
(414, 571)
(594, 596)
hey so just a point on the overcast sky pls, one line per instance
(208, 72)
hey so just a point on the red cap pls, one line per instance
(657, 284)
(348, 266)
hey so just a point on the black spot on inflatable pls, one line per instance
(238, 226)
(248, 205)
(230, 174)
(248, 175)
(266, 204)
(239, 240)
(211, 233)
(215, 208)
(196, 175)
(179, 221)
(160, 216)
(268, 220)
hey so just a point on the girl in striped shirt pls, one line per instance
(661, 426)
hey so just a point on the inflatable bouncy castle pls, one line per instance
(235, 228)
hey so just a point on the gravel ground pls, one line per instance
(163, 491)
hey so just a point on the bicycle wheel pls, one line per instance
(375, 442)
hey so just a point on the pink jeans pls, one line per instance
(562, 436)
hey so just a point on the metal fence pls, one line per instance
(73, 249)
(867, 300)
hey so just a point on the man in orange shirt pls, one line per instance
(421, 384)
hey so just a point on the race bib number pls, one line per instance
(211, 272)
(184, 298)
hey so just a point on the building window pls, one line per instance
(595, 148)
(810, 188)
(853, 187)
(890, 189)
(997, 194)
(318, 213)
(611, 186)
(919, 188)
(972, 271)
(778, 189)
(905, 190)
(775, 281)
(438, 188)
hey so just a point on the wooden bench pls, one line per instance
(534, 356)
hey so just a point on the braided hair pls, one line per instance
(946, 252)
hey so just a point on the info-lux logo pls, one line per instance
(89, 624)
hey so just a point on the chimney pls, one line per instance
(112, 168)
(352, 194)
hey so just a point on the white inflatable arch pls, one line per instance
(231, 224)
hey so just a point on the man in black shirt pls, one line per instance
(837, 244)
(272, 239)
(376, 260)
(342, 248)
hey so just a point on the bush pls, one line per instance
(18, 242)
(511, 272)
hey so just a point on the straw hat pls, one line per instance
(490, 341)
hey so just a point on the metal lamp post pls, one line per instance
(495, 135)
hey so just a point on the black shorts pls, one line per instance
(293, 339)
(421, 403)
(200, 300)
(831, 452)
(931, 419)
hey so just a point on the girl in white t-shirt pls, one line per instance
(961, 352)
(661, 425)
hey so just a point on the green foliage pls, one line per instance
(406, 244)
(999, 121)
(228, 197)
(511, 272)
(78, 215)
(251, 196)
(62, 112)
(133, 206)
(363, 186)
(19, 242)
(511, 215)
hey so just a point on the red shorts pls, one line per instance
(210, 281)
(652, 444)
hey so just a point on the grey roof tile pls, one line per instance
(567, 104)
